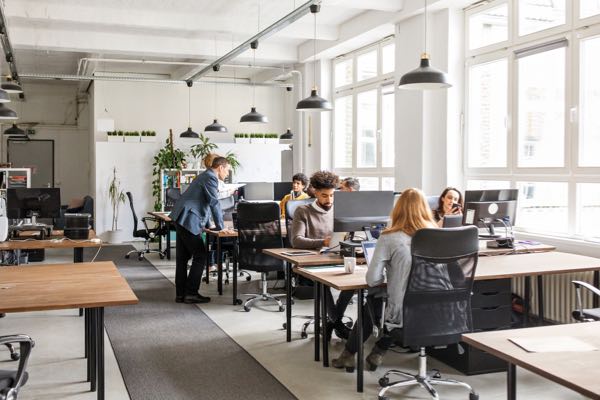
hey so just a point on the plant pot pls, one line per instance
(115, 139)
(115, 237)
(272, 140)
(148, 139)
(257, 140)
(242, 140)
(132, 139)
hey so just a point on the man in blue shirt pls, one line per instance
(191, 214)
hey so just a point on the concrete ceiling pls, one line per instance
(53, 36)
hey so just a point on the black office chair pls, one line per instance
(437, 302)
(11, 381)
(585, 314)
(147, 233)
(259, 228)
(290, 208)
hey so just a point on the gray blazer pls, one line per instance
(192, 210)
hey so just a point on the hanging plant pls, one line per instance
(168, 157)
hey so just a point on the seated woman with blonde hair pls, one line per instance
(392, 259)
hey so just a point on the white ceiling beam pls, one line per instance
(81, 17)
(140, 45)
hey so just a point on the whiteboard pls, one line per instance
(35, 154)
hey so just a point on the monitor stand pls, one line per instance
(44, 230)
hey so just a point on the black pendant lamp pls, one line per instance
(314, 102)
(215, 126)
(189, 133)
(425, 77)
(11, 87)
(14, 130)
(287, 135)
(254, 117)
(4, 98)
(7, 113)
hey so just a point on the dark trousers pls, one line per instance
(372, 313)
(188, 246)
(335, 311)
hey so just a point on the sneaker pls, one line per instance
(179, 299)
(345, 360)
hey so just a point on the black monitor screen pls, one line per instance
(280, 189)
(490, 208)
(491, 195)
(26, 202)
(352, 211)
(258, 191)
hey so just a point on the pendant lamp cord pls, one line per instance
(189, 106)
(425, 36)
(215, 83)
(315, 53)
(254, 58)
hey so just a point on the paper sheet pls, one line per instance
(550, 344)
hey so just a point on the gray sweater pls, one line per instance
(311, 225)
(392, 260)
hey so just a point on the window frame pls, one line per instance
(575, 30)
(354, 89)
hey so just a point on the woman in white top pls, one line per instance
(391, 261)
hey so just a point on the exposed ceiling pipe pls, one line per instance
(9, 53)
(63, 77)
(265, 33)
(82, 63)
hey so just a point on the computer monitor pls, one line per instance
(258, 191)
(491, 209)
(352, 211)
(280, 189)
(33, 202)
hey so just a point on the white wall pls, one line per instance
(160, 107)
(63, 116)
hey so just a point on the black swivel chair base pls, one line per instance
(426, 380)
(264, 296)
(147, 250)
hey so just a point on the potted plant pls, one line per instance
(131, 137)
(201, 150)
(148, 136)
(168, 157)
(233, 161)
(116, 196)
(271, 138)
(257, 138)
(112, 137)
(241, 138)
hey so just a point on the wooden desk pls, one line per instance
(575, 370)
(92, 286)
(164, 223)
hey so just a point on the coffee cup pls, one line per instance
(349, 264)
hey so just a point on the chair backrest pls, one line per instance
(172, 194)
(88, 207)
(433, 202)
(135, 218)
(227, 206)
(259, 228)
(437, 302)
(290, 208)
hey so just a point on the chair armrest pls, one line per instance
(586, 285)
(25, 346)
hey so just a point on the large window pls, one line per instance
(531, 105)
(363, 131)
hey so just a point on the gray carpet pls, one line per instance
(172, 351)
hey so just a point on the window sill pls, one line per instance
(568, 245)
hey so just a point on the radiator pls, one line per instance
(559, 295)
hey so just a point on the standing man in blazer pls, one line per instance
(191, 214)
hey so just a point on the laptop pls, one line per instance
(452, 221)
(369, 249)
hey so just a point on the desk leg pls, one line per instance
(100, 339)
(317, 316)
(92, 361)
(359, 354)
(511, 381)
(168, 244)
(324, 316)
(526, 301)
(207, 258)
(596, 302)
(87, 341)
(78, 258)
(540, 296)
(161, 228)
(288, 301)
(219, 266)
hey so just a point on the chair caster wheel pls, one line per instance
(304, 335)
(382, 398)
(248, 278)
(237, 302)
(281, 308)
(15, 356)
(436, 374)
(127, 256)
(473, 396)
(383, 382)
(284, 325)
(246, 308)
(162, 256)
(140, 258)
